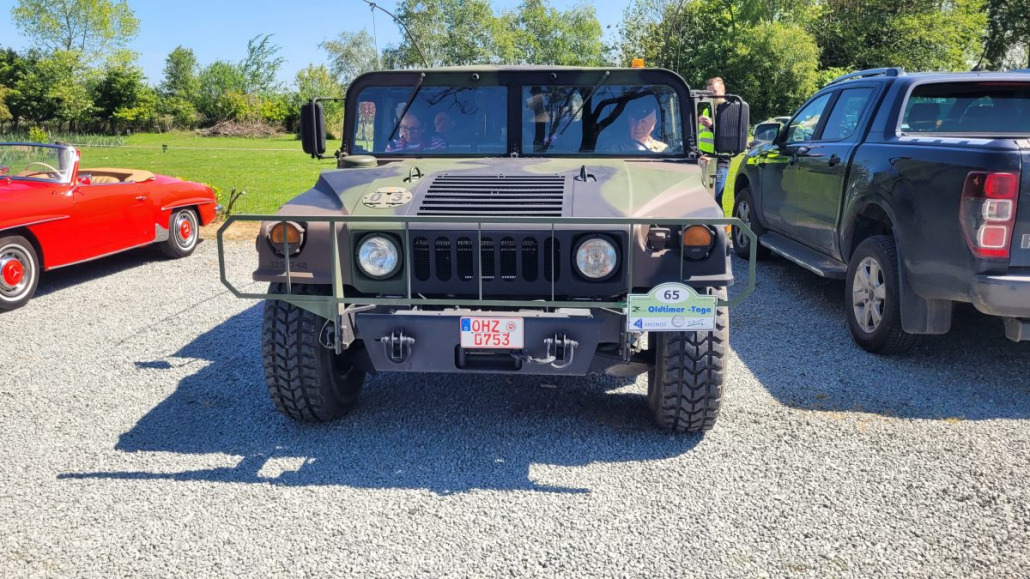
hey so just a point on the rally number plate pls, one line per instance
(492, 333)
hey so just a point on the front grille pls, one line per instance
(542, 195)
(503, 258)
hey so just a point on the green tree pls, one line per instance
(914, 34)
(259, 68)
(350, 54)
(1007, 44)
(54, 89)
(221, 83)
(180, 75)
(763, 53)
(121, 88)
(449, 32)
(537, 33)
(92, 27)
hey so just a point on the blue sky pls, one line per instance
(219, 29)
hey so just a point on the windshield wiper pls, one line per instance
(407, 105)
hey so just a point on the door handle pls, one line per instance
(141, 198)
(833, 160)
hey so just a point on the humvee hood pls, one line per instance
(566, 187)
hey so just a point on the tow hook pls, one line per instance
(397, 346)
(561, 350)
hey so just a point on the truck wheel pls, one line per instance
(306, 380)
(744, 210)
(183, 233)
(872, 296)
(684, 388)
(19, 272)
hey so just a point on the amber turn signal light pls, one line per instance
(287, 230)
(697, 241)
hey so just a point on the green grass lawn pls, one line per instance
(271, 171)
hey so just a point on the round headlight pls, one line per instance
(378, 256)
(596, 258)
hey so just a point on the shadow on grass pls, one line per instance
(792, 335)
(441, 432)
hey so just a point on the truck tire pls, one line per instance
(684, 387)
(306, 380)
(744, 210)
(19, 272)
(872, 297)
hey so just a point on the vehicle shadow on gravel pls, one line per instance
(445, 433)
(65, 277)
(792, 335)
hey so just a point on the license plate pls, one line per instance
(492, 333)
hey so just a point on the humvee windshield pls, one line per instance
(616, 120)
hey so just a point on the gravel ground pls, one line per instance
(138, 439)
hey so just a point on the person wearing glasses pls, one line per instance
(412, 136)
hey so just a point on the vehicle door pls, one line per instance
(777, 165)
(822, 167)
(111, 217)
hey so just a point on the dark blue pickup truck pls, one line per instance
(913, 188)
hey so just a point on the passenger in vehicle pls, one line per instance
(412, 136)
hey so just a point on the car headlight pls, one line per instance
(378, 256)
(596, 258)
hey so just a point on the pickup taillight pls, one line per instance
(988, 212)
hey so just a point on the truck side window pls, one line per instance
(802, 126)
(843, 120)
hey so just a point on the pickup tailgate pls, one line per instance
(1020, 249)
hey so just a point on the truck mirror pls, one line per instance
(731, 123)
(312, 128)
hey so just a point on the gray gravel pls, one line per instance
(137, 439)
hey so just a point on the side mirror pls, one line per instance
(312, 128)
(732, 118)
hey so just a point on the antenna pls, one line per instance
(373, 5)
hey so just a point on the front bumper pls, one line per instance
(1002, 295)
(564, 342)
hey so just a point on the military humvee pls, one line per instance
(503, 220)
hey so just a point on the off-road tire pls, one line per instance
(306, 380)
(744, 209)
(180, 243)
(888, 337)
(19, 294)
(685, 386)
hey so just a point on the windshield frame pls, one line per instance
(68, 150)
(514, 79)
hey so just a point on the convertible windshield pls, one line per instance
(440, 121)
(606, 119)
(36, 162)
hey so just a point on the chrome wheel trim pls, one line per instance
(14, 293)
(185, 242)
(868, 295)
(744, 214)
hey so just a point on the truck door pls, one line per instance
(778, 167)
(822, 169)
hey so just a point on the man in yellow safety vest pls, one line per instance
(706, 136)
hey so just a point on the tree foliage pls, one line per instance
(537, 33)
(914, 34)
(350, 55)
(91, 27)
(261, 65)
(1007, 44)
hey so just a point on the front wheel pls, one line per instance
(19, 272)
(183, 233)
(744, 210)
(872, 296)
(685, 386)
(306, 380)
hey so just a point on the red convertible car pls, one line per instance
(54, 213)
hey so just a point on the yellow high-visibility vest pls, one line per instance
(705, 136)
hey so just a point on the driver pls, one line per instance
(641, 117)
(413, 136)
